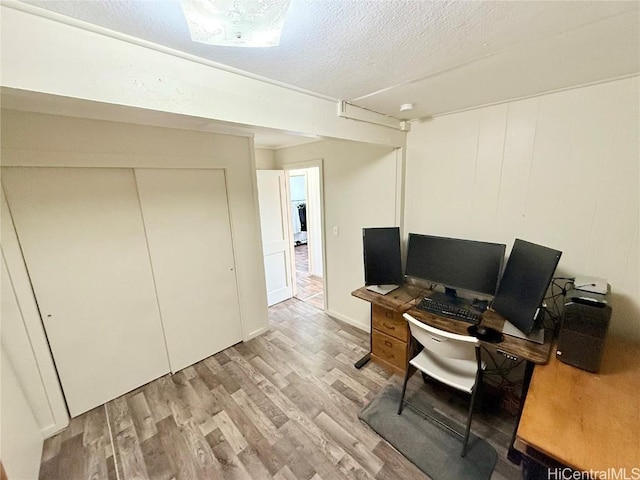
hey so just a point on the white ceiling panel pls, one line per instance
(547, 65)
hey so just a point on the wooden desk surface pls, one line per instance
(400, 300)
(587, 421)
(406, 297)
(518, 347)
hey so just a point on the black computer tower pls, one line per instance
(585, 322)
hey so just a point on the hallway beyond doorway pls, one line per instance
(309, 286)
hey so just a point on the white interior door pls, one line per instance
(186, 216)
(276, 245)
(84, 245)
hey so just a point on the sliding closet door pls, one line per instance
(83, 241)
(186, 216)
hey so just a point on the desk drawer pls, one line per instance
(389, 322)
(389, 349)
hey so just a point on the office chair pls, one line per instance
(451, 359)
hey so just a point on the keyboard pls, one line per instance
(446, 310)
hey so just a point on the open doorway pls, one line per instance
(306, 234)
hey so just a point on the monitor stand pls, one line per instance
(449, 297)
(382, 289)
(536, 336)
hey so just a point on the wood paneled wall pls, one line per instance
(561, 170)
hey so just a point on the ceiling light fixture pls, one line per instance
(236, 23)
(406, 107)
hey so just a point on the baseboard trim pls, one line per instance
(51, 430)
(343, 318)
(255, 333)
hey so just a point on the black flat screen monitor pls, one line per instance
(382, 258)
(455, 263)
(524, 284)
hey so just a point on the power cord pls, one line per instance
(503, 370)
(557, 290)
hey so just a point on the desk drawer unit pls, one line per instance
(389, 322)
(389, 349)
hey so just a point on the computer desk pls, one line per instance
(586, 421)
(386, 323)
(405, 299)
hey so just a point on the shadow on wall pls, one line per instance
(625, 318)
(625, 314)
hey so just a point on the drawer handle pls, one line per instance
(388, 314)
(388, 343)
(388, 327)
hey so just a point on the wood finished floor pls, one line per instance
(309, 287)
(282, 406)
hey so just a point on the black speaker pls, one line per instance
(585, 322)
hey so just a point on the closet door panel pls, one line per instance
(83, 240)
(186, 216)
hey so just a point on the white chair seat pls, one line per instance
(457, 373)
(449, 358)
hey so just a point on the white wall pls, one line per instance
(265, 159)
(43, 140)
(561, 170)
(360, 190)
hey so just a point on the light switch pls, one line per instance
(335, 231)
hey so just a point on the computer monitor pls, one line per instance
(524, 284)
(382, 257)
(455, 263)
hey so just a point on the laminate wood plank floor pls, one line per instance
(281, 406)
(309, 287)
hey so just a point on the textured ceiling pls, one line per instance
(442, 56)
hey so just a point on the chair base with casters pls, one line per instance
(449, 358)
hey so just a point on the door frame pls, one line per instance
(317, 162)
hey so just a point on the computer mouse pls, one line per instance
(482, 330)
